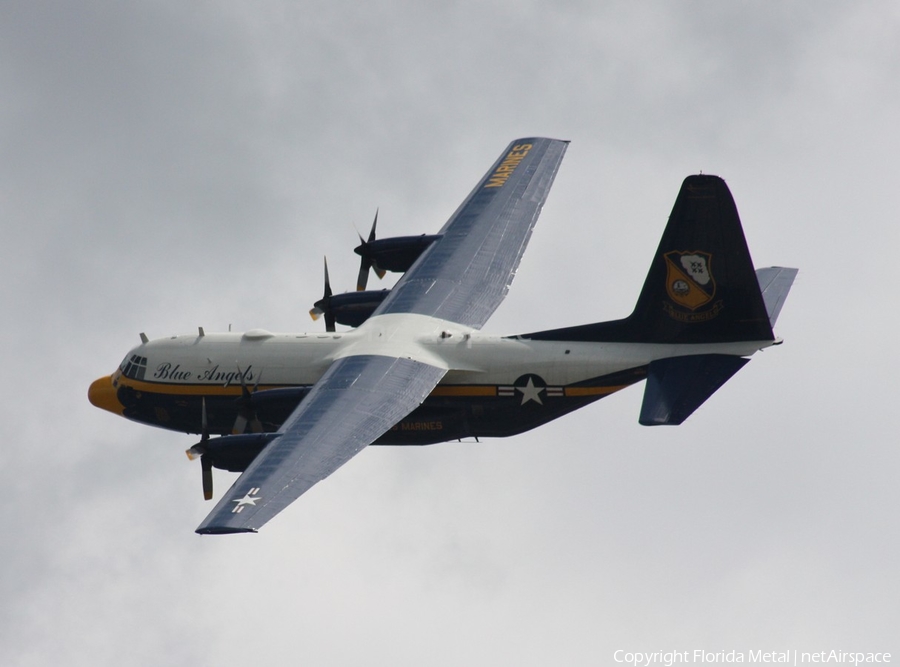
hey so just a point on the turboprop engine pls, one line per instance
(396, 254)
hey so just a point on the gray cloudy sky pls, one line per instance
(168, 165)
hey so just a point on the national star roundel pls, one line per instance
(529, 389)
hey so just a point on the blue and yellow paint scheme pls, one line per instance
(161, 384)
(418, 370)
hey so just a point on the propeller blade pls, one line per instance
(255, 424)
(246, 409)
(323, 305)
(327, 281)
(240, 424)
(366, 263)
(199, 450)
(363, 279)
(206, 467)
(374, 223)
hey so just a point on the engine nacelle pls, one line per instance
(353, 308)
(397, 253)
(235, 452)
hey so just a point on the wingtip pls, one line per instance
(536, 137)
(223, 530)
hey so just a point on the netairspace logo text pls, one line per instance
(789, 657)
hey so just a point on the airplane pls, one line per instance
(286, 410)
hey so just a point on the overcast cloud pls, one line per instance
(168, 165)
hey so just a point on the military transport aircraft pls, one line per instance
(289, 409)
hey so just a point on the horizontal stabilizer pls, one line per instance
(775, 283)
(679, 385)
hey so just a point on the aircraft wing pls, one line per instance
(465, 275)
(461, 278)
(358, 399)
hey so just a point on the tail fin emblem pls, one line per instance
(689, 280)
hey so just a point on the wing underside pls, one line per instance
(357, 400)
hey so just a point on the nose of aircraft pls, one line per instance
(103, 395)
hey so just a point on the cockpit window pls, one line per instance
(134, 367)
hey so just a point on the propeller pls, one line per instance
(246, 410)
(323, 305)
(200, 450)
(367, 262)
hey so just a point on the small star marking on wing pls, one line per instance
(249, 499)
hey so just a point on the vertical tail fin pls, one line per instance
(701, 287)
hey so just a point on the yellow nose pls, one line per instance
(103, 395)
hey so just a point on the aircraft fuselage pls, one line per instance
(501, 386)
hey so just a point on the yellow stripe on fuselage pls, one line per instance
(174, 389)
(593, 391)
(465, 390)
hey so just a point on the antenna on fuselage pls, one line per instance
(144, 338)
